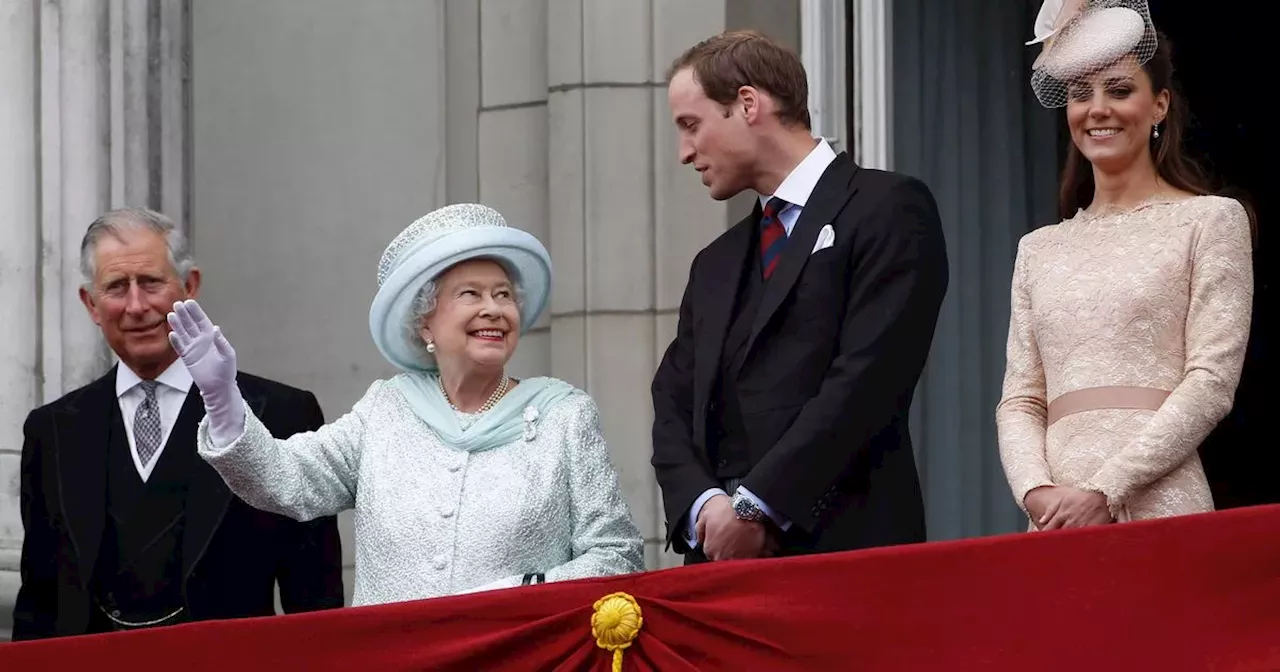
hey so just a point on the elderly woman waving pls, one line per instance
(462, 478)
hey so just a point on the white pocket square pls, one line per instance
(826, 238)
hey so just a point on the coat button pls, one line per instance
(115, 613)
(440, 562)
(446, 513)
(454, 468)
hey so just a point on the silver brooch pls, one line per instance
(530, 423)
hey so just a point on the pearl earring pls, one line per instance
(1155, 131)
(431, 347)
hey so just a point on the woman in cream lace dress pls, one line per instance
(1130, 318)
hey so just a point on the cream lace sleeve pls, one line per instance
(1217, 331)
(1022, 413)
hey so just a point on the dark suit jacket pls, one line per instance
(835, 351)
(232, 554)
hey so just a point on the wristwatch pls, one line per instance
(745, 509)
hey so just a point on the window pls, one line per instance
(822, 48)
(845, 47)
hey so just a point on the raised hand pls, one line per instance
(212, 363)
(201, 345)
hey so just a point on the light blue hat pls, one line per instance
(433, 244)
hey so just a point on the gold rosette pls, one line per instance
(615, 622)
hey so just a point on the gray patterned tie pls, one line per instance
(146, 424)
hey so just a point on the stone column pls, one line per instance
(512, 137)
(686, 216)
(75, 172)
(113, 133)
(93, 116)
(19, 270)
(625, 219)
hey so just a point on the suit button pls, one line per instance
(722, 463)
(440, 562)
(713, 407)
(115, 613)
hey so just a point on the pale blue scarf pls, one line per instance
(499, 426)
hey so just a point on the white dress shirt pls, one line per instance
(795, 190)
(171, 393)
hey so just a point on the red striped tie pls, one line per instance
(773, 237)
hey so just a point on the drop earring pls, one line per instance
(431, 347)
(1155, 131)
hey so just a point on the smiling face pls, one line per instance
(476, 321)
(134, 287)
(715, 138)
(1111, 116)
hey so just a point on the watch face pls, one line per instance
(746, 510)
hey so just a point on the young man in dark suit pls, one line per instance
(781, 406)
(125, 526)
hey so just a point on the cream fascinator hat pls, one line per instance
(1081, 37)
(432, 244)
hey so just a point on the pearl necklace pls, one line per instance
(498, 393)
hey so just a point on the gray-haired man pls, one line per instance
(125, 527)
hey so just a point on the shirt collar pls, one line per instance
(176, 376)
(799, 185)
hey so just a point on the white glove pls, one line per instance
(212, 363)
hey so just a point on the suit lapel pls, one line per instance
(81, 448)
(829, 197)
(725, 275)
(207, 495)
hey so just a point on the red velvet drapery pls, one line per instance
(1192, 593)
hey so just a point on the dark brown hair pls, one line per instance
(734, 59)
(1173, 165)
